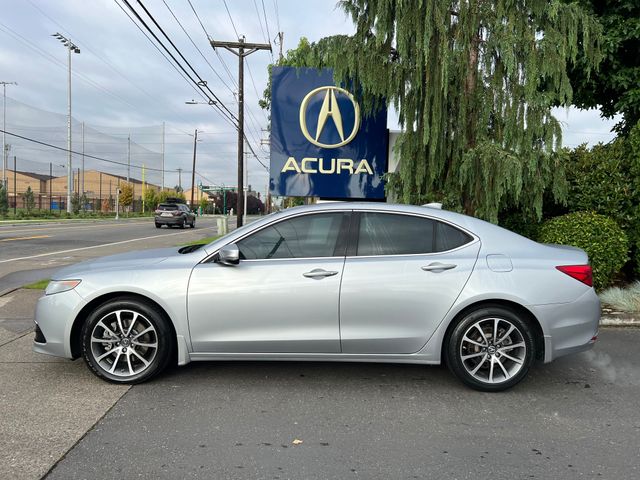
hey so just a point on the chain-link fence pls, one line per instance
(102, 159)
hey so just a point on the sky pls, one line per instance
(123, 86)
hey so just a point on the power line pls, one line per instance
(57, 62)
(102, 59)
(196, 47)
(201, 82)
(80, 153)
(188, 80)
(266, 24)
(231, 18)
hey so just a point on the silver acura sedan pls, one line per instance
(332, 282)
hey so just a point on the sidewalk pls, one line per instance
(47, 404)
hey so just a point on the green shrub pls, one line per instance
(601, 237)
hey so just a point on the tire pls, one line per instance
(158, 225)
(193, 223)
(131, 352)
(183, 223)
(484, 364)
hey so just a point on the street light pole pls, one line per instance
(4, 135)
(193, 170)
(71, 47)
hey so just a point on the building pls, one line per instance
(99, 185)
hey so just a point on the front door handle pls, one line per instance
(320, 273)
(438, 267)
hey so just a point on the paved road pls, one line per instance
(33, 252)
(575, 418)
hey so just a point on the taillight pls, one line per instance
(582, 273)
(175, 213)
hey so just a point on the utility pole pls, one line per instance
(180, 178)
(4, 135)
(128, 157)
(193, 170)
(71, 47)
(244, 49)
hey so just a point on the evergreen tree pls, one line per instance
(473, 82)
(4, 202)
(29, 200)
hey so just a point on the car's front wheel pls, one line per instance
(491, 349)
(126, 341)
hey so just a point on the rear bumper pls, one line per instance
(169, 220)
(569, 327)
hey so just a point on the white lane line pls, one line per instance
(96, 246)
(85, 226)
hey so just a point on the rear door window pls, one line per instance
(395, 234)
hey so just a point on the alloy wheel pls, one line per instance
(493, 350)
(124, 343)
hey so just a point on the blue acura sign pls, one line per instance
(321, 144)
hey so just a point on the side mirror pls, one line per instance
(229, 255)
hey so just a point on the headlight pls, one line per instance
(59, 286)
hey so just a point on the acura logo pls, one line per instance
(329, 109)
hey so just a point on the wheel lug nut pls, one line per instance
(124, 350)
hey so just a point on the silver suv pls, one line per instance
(171, 214)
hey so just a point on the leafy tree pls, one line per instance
(615, 87)
(126, 194)
(163, 195)
(204, 203)
(75, 203)
(29, 200)
(473, 83)
(150, 198)
(4, 203)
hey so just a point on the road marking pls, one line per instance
(75, 227)
(24, 238)
(96, 246)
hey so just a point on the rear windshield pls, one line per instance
(167, 206)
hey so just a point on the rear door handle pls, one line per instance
(320, 273)
(438, 267)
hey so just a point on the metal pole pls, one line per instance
(193, 170)
(162, 156)
(69, 167)
(15, 187)
(5, 151)
(82, 158)
(245, 188)
(128, 157)
(50, 182)
(117, 199)
(180, 178)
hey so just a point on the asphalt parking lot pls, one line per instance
(574, 418)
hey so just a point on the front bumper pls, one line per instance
(569, 327)
(54, 318)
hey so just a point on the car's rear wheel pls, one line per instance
(183, 222)
(193, 223)
(158, 225)
(126, 341)
(491, 349)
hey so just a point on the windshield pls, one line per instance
(167, 206)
